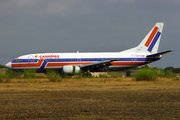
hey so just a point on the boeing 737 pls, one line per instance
(72, 63)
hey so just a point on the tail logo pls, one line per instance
(155, 34)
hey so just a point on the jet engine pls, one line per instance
(71, 69)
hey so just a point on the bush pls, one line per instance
(147, 74)
(1, 80)
(1, 75)
(128, 73)
(30, 73)
(54, 76)
(12, 74)
(9, 74)
(176, 79)
(2, 66)
(160, 72)
(168, 73)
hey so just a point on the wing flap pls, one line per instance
(97, 65)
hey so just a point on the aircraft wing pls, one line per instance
(159, 54)
(97, 66)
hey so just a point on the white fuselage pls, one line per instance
(44, 61)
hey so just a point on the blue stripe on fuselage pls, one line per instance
(43, 64)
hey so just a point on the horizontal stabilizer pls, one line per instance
(160, 53)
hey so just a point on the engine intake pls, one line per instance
(71, 69)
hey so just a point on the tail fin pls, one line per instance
(151, 42)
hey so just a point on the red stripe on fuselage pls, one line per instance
(70, 63)
(151, 36)
(64, 64)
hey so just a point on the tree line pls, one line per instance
(174, 70)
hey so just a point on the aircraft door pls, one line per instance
(133, 58)
(31, 60)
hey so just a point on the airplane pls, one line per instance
(72, 63)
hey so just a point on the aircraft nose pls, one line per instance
(8, 65)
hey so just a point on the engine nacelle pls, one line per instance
(69, 69)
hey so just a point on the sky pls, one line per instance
(38, 26)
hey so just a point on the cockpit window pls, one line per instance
(17, 60)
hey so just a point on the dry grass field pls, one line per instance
(90, 98)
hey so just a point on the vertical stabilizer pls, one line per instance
(151, 42)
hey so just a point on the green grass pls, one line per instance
(103, 76)
(143, 74)
(66, 76)
(78, 76)
(116, 74)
